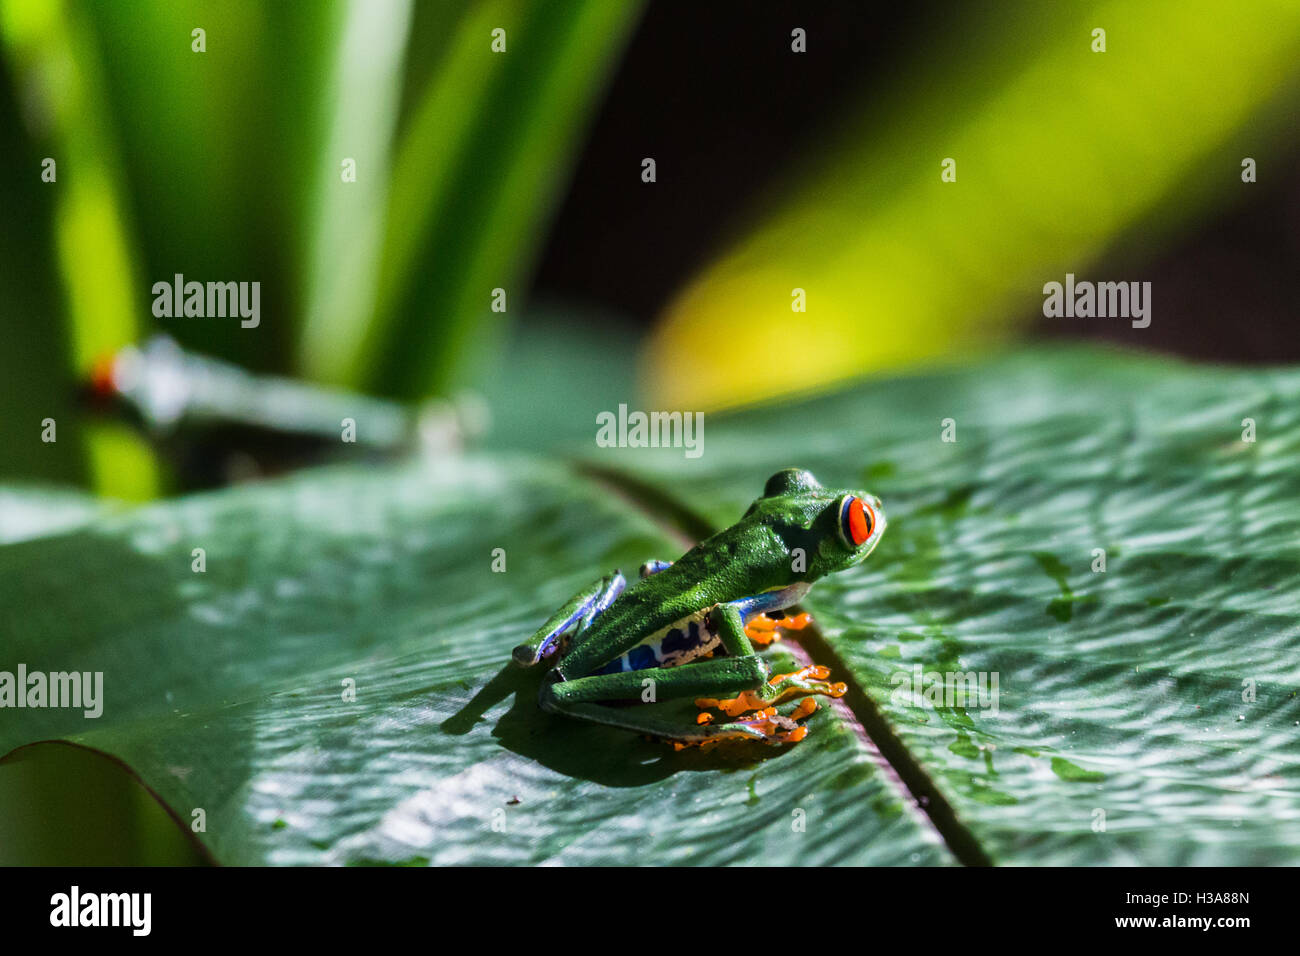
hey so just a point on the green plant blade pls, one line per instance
(1148, 714)
(223, 153)
(473, 183)
(347, 212)
(227, 690)
(62, 83)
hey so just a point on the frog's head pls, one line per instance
(837, 528)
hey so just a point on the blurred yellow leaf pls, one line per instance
(1058, 150)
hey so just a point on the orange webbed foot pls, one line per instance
(742, 703)
(763, 629)
(778, 729)
(807, 680)
(771, 726)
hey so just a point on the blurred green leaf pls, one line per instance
(62, 88)
(225, 151)
(554, 375)
(345, 228)
(1122, 692)
(37, 369)
(474, 180)
(225, 690)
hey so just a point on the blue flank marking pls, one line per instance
(677, 640)
(644, 656)
(641, 657)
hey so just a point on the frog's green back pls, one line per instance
(755, 554)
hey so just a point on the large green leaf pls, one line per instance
(224, 690)
(1125, 695)
(1157, 697)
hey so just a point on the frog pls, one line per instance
(691, 627)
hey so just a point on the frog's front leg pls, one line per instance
(764, 613)
(576, 614)
(654, 566)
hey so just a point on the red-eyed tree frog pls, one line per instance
(688, 628)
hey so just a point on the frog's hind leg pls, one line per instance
(579, 697)
(654, 684)
(801, 683)
(768, 727)
(574, 615)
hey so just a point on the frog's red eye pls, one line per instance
(856, 521)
